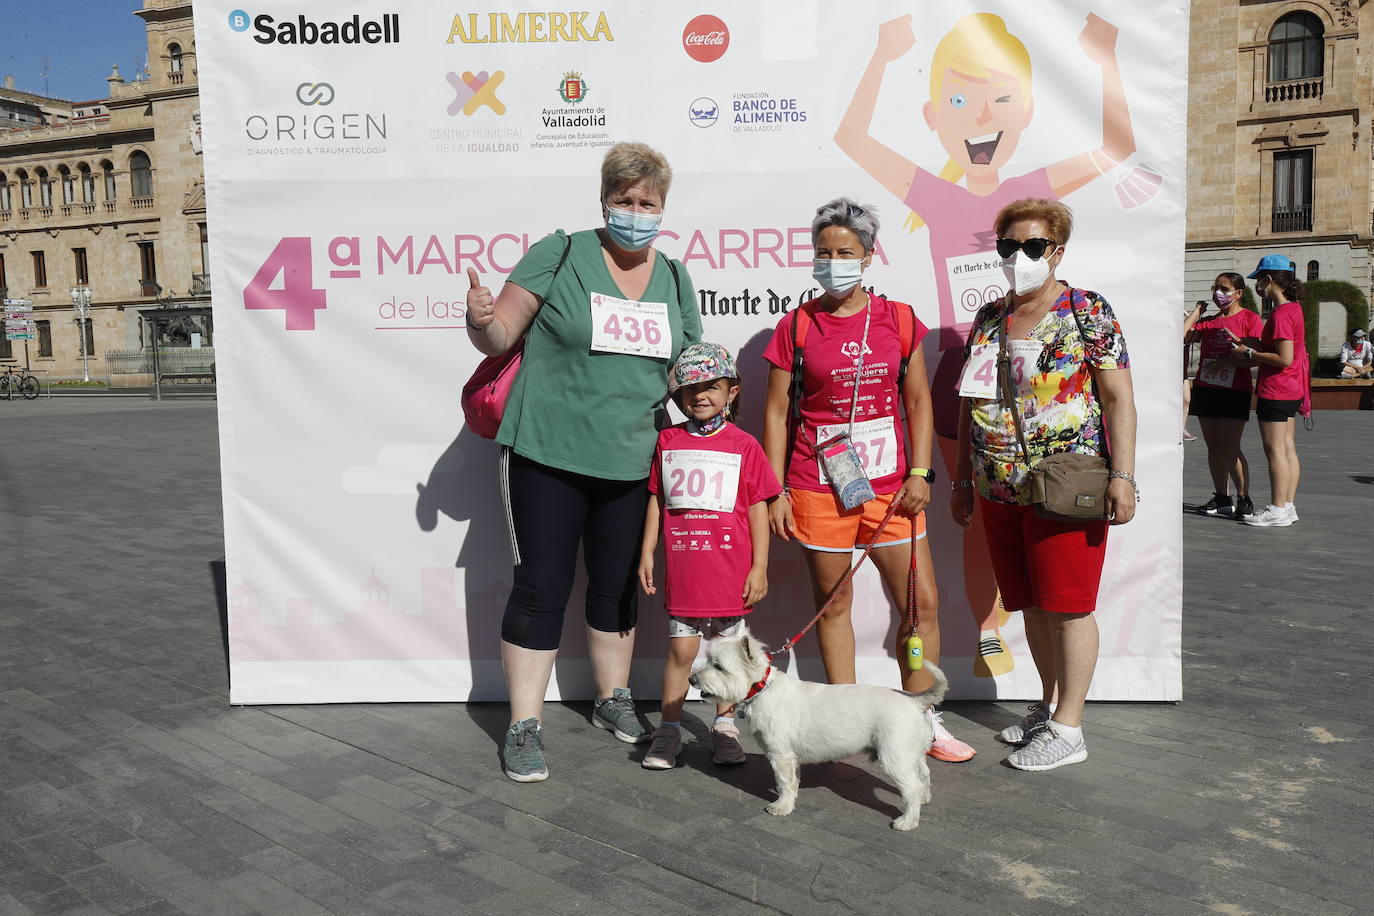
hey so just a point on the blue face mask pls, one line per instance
(838, 276)
(630, 230)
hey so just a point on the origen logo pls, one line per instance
(472, 92)
(315, 94)
(705, 38)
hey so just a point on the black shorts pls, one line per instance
(1219, 403)
(1267, 411)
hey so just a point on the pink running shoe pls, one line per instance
(945, 746)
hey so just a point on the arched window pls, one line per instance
(141, 174)
(87, 184)
(5, 200)
(1295, 48)
(68, 185)
(1314, 271)
(25, 189)
(44, 188)
(108, 170)
(174, 57)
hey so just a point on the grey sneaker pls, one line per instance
(667, 744)
(1047, 751)
(523, 754)
(1027, 728)
(617, 714)
(725, 747)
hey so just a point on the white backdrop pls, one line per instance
(352, 183)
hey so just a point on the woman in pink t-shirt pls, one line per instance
(1283, 387)
(1221, 393)
(856, 348)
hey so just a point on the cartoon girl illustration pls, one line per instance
(980, 105)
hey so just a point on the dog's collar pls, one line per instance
(754, 691)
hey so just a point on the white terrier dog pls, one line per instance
(804, 722)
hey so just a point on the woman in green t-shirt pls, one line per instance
(603, 316)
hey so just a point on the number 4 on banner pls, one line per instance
(295, 295)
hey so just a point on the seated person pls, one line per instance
(1357, 356)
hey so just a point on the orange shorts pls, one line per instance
(821, 524)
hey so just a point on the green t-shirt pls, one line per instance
(580, 410)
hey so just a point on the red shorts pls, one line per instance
(1045, 563)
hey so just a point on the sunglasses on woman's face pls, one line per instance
(1034, 248)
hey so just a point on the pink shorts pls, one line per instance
(1044, 563)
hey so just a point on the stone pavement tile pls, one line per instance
(68, 901)
(109, 887)
(29, 884)
(416, 897)
(58, 852)
(265, 894)
(332, 891)
(171, 880)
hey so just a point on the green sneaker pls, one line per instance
(523, 754)
(617, 714)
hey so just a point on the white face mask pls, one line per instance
(838, 276)
(1024, 275)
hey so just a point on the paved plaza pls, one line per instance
(129, 785)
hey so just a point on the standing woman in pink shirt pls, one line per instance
(1283, 388)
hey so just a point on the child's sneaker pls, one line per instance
(945, 746)
(617, 714)
(726, 750)
(664, 750)
(1036, 718)
(522, 756)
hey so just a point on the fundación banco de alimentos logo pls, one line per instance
(703, 112)
(472, 91)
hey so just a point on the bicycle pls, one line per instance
(15, 379)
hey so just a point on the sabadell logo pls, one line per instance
(706, 38)
(302, 31)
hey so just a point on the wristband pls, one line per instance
(960, 484)
(925, 474)
(1129, 478)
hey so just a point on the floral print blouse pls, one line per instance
(1060, 411)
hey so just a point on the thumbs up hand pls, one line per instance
(481, 305)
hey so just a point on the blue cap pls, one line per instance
(1274, 262)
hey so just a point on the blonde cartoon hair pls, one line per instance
(977, 45)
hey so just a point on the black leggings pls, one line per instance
(551, 511)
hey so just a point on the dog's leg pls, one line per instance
(787, 772)
(903, 766)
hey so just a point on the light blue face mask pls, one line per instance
(838, 276)
(631, 230)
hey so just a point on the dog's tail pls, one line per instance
(936, 692)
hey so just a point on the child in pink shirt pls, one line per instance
(710, 482)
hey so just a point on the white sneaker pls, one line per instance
(1292, 511)
(1271, 517)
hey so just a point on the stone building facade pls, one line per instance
(1280, 147)
(109, 194)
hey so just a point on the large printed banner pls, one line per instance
(361, 157)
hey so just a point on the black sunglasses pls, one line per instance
(1033, 248)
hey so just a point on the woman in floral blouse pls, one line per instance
(1072, 378)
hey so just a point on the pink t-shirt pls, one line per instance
(708, 550)
(830, 357)
(1288, 384)
(963, 243)
(1216, 343)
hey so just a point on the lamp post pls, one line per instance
(81, 302)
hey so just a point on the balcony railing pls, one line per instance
(200, 284)
(148, 288)
(1295, 90)
(1292, 219)
(109, 206)
(141, 203)
(5, 215)
(175, 77)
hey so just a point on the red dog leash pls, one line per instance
(912, 610)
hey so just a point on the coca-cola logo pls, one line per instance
(705, 38)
